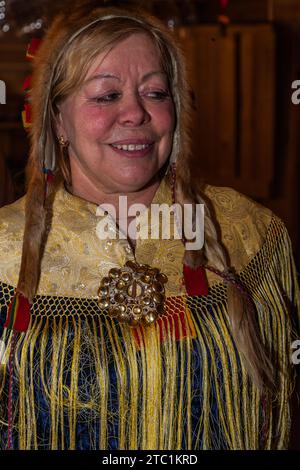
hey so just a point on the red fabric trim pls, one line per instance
(32, 48)
(195, 281)
(27, 83)
(27, 109)
(18, 314)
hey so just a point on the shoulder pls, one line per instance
(12, 221)
(243, 224)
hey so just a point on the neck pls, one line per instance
(93, 192)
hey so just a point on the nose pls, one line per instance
(133, 113)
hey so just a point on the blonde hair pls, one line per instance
(100, 36)
(74, 51)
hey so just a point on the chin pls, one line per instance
(135, 181)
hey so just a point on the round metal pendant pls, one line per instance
(134, 294)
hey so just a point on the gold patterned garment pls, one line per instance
(84, 381)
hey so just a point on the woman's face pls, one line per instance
(120, 123)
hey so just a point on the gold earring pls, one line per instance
(62, 142)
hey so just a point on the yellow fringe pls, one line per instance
(155, 379)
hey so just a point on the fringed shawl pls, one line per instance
(83, 381)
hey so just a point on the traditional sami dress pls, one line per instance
(82, 380)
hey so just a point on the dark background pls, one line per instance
(246, 131)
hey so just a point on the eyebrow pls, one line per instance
(101, 76)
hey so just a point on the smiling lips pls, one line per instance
(133, 148)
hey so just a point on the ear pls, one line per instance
(59, 124)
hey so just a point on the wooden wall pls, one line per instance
(233, 79)
(13, 139)
(246, 128)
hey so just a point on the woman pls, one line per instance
(93, 356)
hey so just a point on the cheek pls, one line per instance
(164, 119)
(90, 122)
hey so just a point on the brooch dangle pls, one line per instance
(134, 294)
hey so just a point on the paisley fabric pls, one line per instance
(75, 258)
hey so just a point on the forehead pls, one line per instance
(137, 51)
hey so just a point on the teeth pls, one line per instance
(131, 147)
